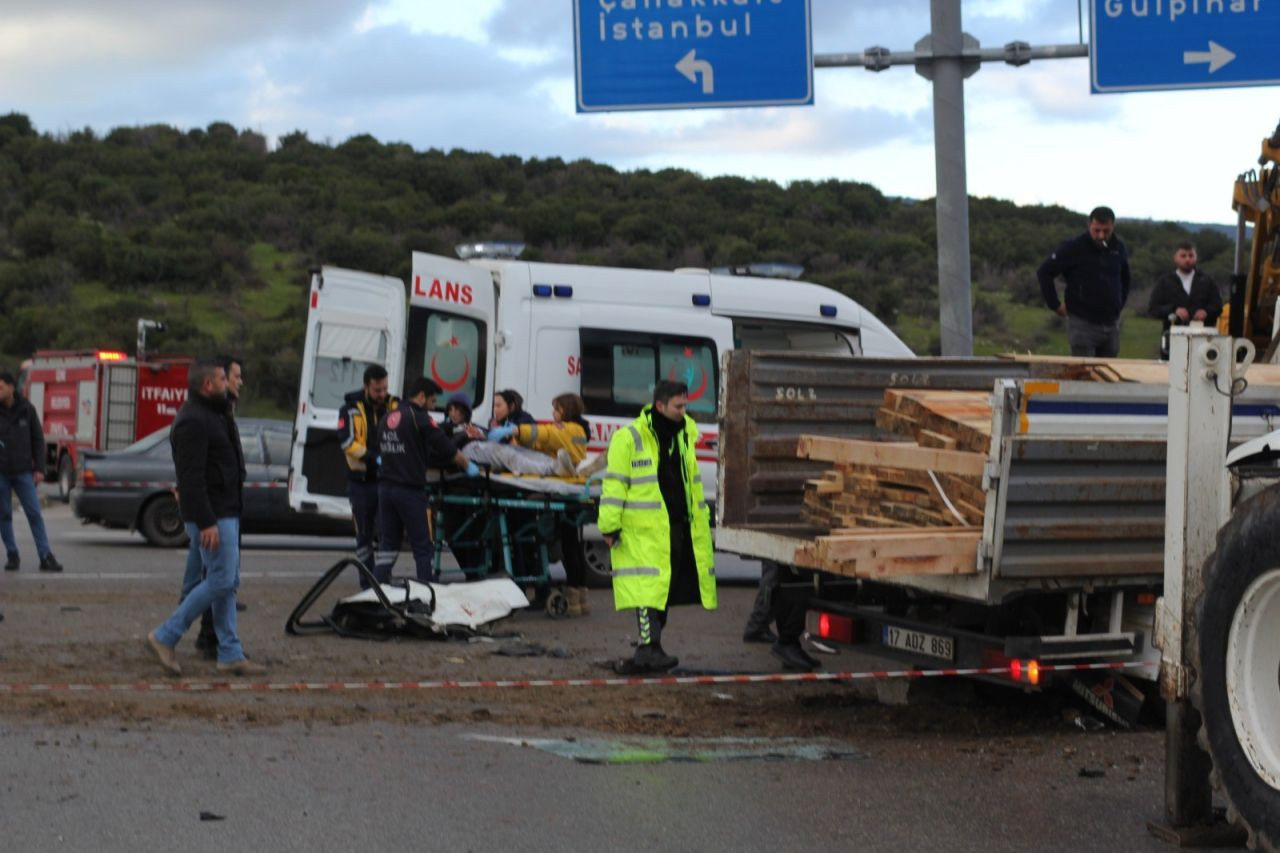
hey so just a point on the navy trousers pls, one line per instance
(364, 512)
(402, 511)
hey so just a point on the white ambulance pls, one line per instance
(478, 326)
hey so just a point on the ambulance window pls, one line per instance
(342, 354)
(632, 375)
(620, 369)
(448, 349)
(695, 365)
(755, 335)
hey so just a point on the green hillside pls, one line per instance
(212, 233)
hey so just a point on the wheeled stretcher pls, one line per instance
(506, 524)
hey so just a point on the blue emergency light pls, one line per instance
(702, 300)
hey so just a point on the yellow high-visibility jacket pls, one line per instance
(631, 503)
(548, 438)
(354, 430)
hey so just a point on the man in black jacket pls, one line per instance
(1095, 266)
(210, 467)
(21, 470)
(408, 443)
(207, 639)
(1185, 294)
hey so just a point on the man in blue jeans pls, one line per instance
(21, 470)
(210, 467)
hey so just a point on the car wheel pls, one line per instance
(161, 524)
(599, 566)
(66, 477)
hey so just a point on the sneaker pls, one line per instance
(241, 606)
(793, 657)
(12, 562)
(242, 667)
(759, 635)
(49, 563)
(168, 659)
(564, 464)
(591, 465)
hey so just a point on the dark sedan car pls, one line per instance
(133, 487)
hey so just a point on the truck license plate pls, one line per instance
(918, 642)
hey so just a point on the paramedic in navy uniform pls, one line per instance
(408, 443)
(362, 410)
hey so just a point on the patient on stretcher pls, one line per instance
(544, 450)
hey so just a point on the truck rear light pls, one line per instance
(1028, 671)
(315, 298)
(836, 628)
(110, 355)
(88, 478)
(1145, 598)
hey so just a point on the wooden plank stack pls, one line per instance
(903, 508)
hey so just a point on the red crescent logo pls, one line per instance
(442, 382)
(694, 393)
(393, 419)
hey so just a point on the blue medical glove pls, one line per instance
(473, 470)
(501, 433)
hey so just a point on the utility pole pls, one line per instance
(946, 57)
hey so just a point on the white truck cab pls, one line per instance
(607, 334)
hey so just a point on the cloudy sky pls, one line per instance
(498, 76)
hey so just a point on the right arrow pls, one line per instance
(1217, 56)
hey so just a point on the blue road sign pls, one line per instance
(1145, 45)
(677, 54)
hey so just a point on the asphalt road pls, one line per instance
(925, 776)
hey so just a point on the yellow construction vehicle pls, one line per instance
(1255, 288)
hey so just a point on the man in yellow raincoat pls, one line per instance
(654, 517)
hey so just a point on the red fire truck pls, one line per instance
(99, 400)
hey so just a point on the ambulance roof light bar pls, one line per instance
(499, 250)
(763, 270)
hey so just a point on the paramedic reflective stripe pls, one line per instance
(640, 481)
(635, 436)
(623, 478)
(636, 570)
(533, 434)
(351, 435)
(582, 440)
(630, 504)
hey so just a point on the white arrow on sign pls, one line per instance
(691, 66)
(1217, 56)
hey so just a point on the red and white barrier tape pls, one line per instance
(638, 681)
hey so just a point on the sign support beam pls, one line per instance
(947, 56)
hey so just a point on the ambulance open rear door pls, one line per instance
(355, 319)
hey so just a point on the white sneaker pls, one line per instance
(592, 464)
(564, 464)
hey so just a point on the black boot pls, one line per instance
(49, 563)
(207, 639)
(794, 657)
(647, 659)
(12, 562)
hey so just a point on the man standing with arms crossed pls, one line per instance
(210, 467)
(655, 520)
(362, 411)
(1095, 267)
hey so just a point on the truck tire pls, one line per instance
(1236, 658)
(66, 477)
(599, 567)
(161, 524)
